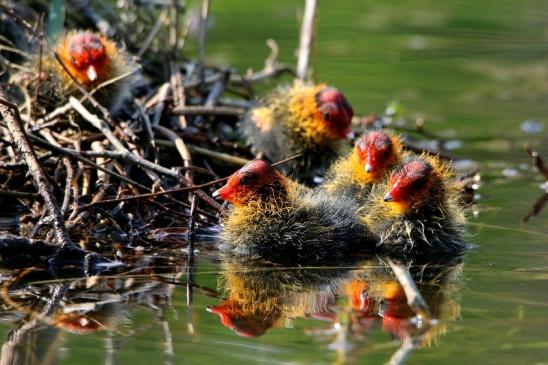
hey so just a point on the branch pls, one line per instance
(414, 297)
(537, 161)
(306, 39)
(12, 117)
(133, 158)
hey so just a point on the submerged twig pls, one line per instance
(537, 161)
(414, 297)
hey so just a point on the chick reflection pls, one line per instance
(374, 294)
(261, 296)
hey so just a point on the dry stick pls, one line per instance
(178, 90)
(133, 158)
(163, 93)
(161, 20)
(538, 206)
(10, 114)
(76, 155)
(50, 119)
(70, 173)
(173, 191)
(406, 348)
(102, 179)
(219, 156)
(179, 145)
(414, 297)
(306, 39)
(202, 38)
(190, 254)
(537, 161)
(150, 135)
(168, 339)
(19, 194)
(208, 110)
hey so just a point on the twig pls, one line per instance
(306, 39)
(208, 110)
(414, 297)
(133, 158)
(219, 156)
(178, 91)
(163, 93)
(190, 257)
(10, 113)
(173, 191)
(538, 206)
(203, 33)
(406, 348)
(537, 161)
(178, 143)
(76, 155)
(168, 339)
(19, 194)
(161, 20)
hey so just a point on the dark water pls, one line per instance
(475, 71)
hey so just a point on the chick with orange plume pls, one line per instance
(374, 155)
(417, 211)
(276, 218)
(312, 120)
(91, 59)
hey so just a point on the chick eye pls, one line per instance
(245, 180)
(418, 183)
(326, 115)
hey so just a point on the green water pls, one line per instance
(474, 70)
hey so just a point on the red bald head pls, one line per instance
(336, 112)
(256, 180)
(413, 184)
(87, 53)
(78, 323)
(376, 152)
(244, 324)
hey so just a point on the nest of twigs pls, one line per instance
(105, 170)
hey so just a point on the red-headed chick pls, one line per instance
(417, 211)
(307, 119)
(374, 156)
(274, 217)
(91, 59)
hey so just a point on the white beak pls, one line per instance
(216, 193)
(92, 74)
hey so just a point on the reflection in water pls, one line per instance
(44, 309)
(354, 298)
(263, 296)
